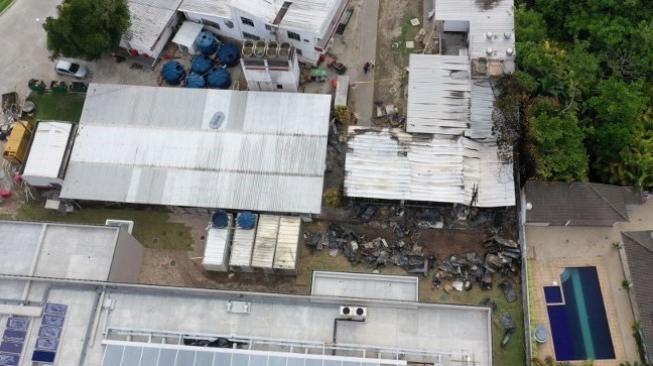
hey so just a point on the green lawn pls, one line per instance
(512, 354)
(152, 228)
(4, 4)
(58, 107)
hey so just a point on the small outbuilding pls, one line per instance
(48, 155)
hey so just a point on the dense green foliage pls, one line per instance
(87, 28)
(586, 90)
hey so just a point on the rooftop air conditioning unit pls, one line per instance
(353, 312)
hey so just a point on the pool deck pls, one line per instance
(551, 249)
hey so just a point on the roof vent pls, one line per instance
(489, 35)
(216, 121)
(510, 52)
(507, 35)
(489, 51)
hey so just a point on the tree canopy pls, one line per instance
(585, 90)
(87, 28)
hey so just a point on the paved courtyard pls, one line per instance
(551, 249)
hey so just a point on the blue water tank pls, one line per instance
(207, 43)
(195, 80)
(173, 73)
(201, 64)
(229, 54)
(246, 220)
(219, 78)
(219, 219)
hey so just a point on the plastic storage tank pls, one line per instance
(201, 64)
(218, 238)
(173, 72)
(219, 78)
(229, 54)
(243, 242)
(195, 81)
(206, 43)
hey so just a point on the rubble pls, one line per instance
(501, 257)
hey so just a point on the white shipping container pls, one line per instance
(265, 242)
(285, 256)
(241, 249)
(216, 251)
(48, 155)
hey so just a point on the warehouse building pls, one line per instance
(258, 151)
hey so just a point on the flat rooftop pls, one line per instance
(57, 250)
(154, 325)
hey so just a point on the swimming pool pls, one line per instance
(579, 325)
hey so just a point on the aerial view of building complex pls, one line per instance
(326, 183)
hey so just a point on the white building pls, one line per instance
(152, 25)
(489, 28)
(48, 155)
(269, 66)
(205, 148)
(308, 25)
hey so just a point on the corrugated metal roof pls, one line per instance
(307, 15)
(242, 246)
(46, 155)
(392, 164)
(439, 91)
(266, 241)
(154, 146)
(148, 20)
(495, 16)
(219, 8)
(187, 34)
(216, 251)
(443, 98)
(285, 255)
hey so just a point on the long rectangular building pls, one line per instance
(258, 151)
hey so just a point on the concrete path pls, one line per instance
(24, 53)
(362, 90)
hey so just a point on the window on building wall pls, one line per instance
(279, 86)
(299, 52)
(268, 27)
(211, 24)
(229, 23)
(247, 21)
(295, 36)
(251, 36)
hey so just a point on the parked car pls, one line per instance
(71, 69)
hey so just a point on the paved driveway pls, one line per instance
(23, 43)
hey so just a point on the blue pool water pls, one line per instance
(552, 294)
(579, 327)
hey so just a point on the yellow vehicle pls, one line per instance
(18, 142)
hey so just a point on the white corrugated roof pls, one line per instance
(308, 15)
(216, 250)
(392, 164)
(148, 20)
(46, 155)
(439, 91)
(218, 8)
(495, 16)
(285, 255)
(242, 247)
(154, 146)
(265, 242)
(443, 97)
